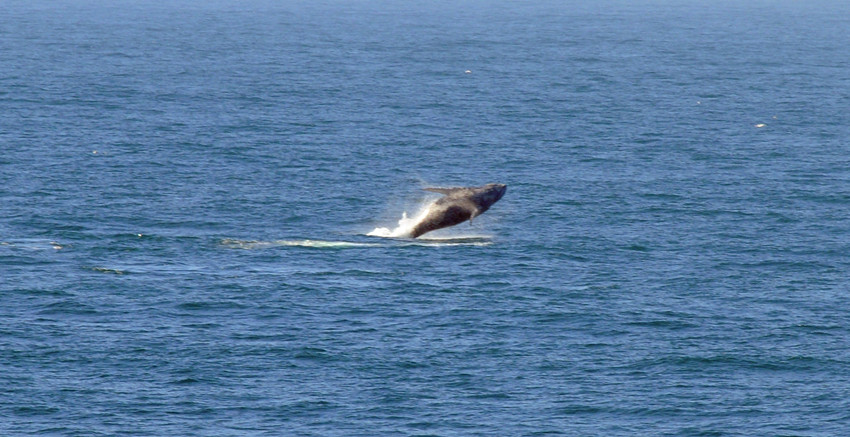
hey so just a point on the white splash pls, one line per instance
(405, 224)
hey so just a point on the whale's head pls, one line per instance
(489, 194)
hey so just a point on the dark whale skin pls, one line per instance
(459, 205)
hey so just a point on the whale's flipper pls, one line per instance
(446, 191)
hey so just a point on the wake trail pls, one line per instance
(321, 244)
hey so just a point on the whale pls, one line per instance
(457, 205)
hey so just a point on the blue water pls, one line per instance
(186, 189)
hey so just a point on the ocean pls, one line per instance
(187, 191)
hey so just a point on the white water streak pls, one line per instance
(251, 244)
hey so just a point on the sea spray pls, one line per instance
(405, 224)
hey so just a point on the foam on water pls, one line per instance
(253, 244)
(32, 244)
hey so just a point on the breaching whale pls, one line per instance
(458, 205)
